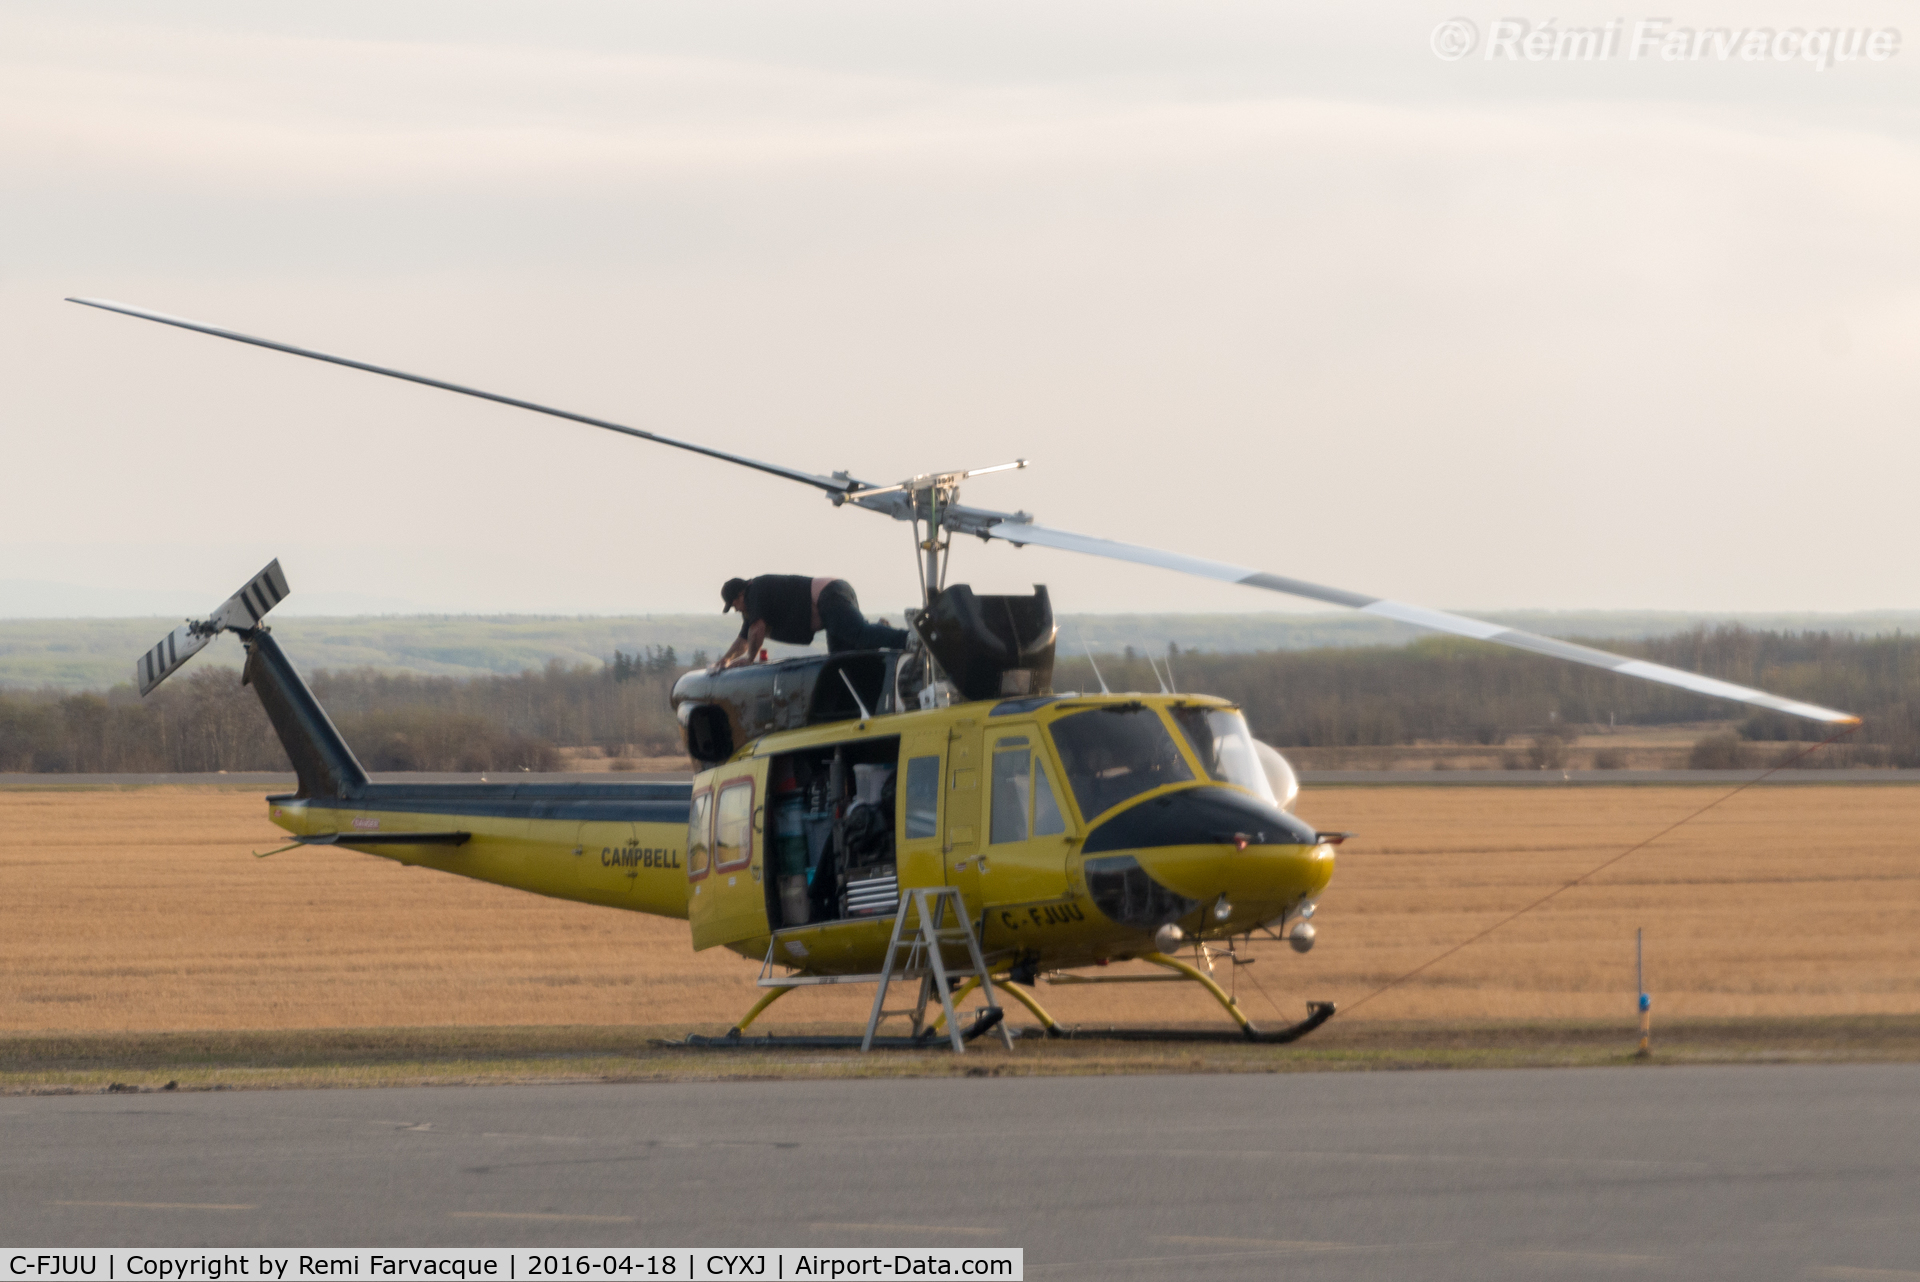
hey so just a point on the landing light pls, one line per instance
(1168, 938)
(1301, 937)
(1222, 909)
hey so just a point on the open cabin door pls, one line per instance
(726, 854)
(922, 785)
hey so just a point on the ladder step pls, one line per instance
(923, 927)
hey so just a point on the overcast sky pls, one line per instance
(1269, 283)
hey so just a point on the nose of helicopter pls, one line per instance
(1169, 856)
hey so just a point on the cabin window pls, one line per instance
(697, 835)
(923, 797)
(1116, 752)
(732, 832)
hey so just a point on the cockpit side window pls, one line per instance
(1047, 819)
(1023, 799)
(1220, 739)
(1012, 788)
(1113, 754)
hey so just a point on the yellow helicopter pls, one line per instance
(936, 813)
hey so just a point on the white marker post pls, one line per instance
(1646, 1002)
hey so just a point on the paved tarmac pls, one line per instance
(1658, 1172)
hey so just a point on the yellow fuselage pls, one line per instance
(983, 799)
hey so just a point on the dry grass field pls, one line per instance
(143, 910)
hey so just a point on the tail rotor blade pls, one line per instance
(250, 604)
(165, 659)
(244, 609)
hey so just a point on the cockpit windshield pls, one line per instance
(1115, 753)
(1223, 743)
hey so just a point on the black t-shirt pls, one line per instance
(785, 601)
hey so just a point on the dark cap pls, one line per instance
(729, 590)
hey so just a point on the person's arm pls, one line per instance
(745, 648)
(726, 660)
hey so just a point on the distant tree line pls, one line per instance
(1450, 690)
(205, 720)
(1437, 690)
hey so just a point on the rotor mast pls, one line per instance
(932, 498)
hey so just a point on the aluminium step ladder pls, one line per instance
(924, 944)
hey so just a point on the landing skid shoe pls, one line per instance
(1318, 1013)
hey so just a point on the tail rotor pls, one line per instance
(242, 610)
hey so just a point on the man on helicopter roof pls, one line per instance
(791, 608)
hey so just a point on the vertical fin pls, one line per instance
(325, 765)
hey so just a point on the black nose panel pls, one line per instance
(1198, 817)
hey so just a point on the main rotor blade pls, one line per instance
(832, 485)
(1419, 616)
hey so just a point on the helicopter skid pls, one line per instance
(735, 1040)
(1318, 1013)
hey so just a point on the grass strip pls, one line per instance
(269, 1059)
